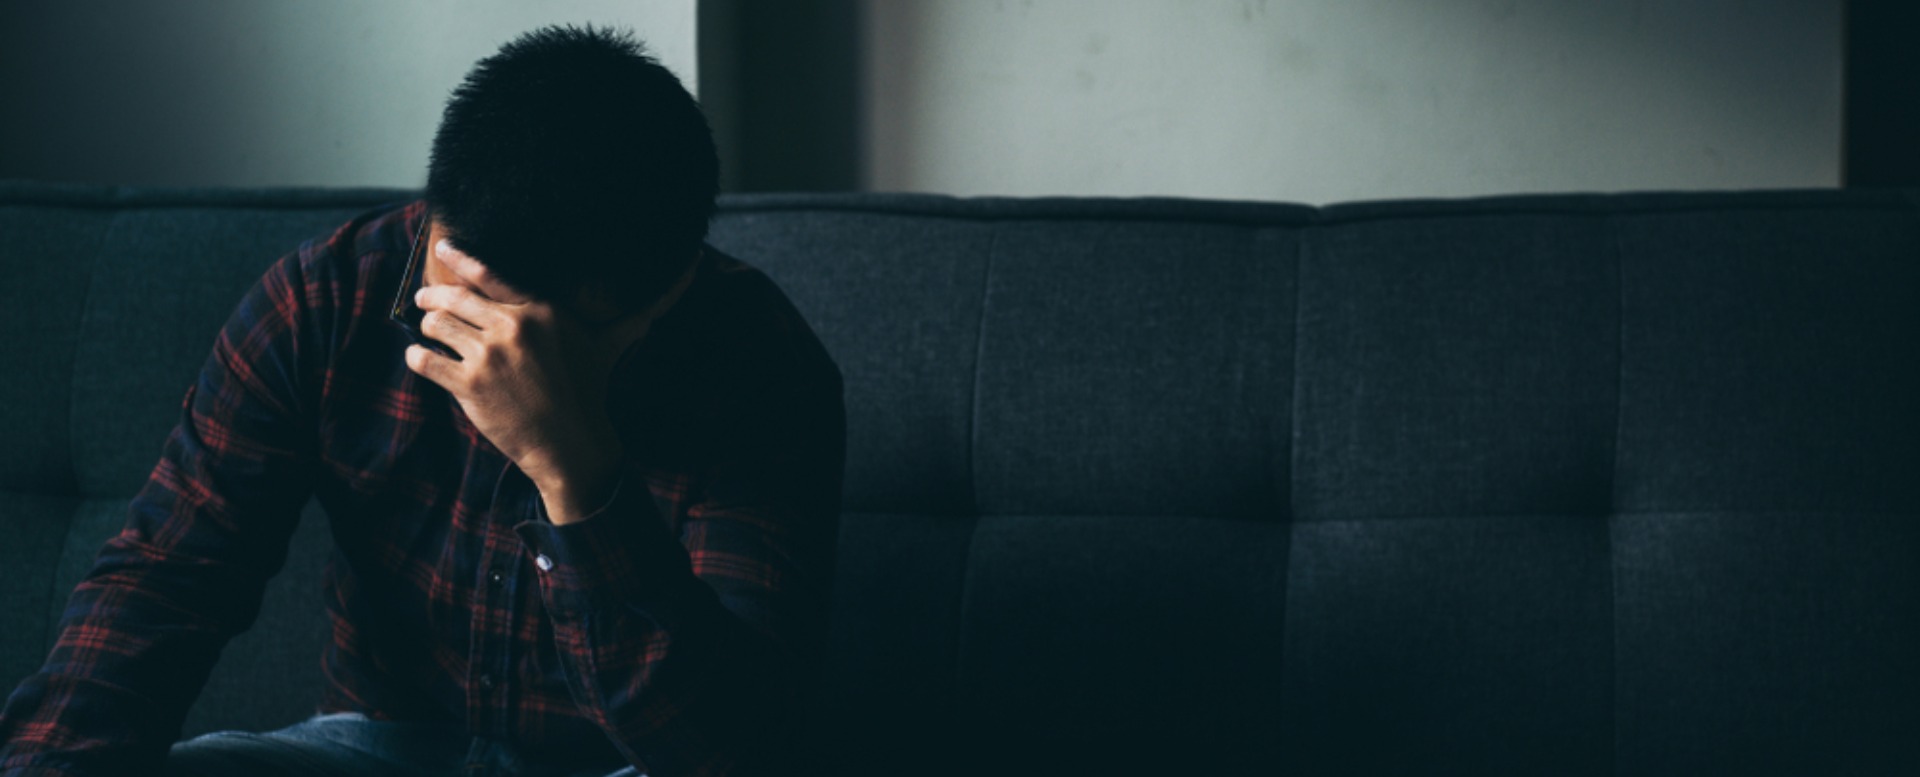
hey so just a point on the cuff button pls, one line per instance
(543, 562)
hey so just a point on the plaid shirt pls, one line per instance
(451, 597)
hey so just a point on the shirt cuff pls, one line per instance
(620, 554)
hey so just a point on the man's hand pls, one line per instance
(532, 378)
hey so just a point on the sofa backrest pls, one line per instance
(1569, 484)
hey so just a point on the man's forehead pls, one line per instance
(438, 273)
(596, 307)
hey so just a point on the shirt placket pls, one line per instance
(490, 680)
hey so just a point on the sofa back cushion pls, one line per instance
(1565, 484)
(1570, 484)
(114, 298)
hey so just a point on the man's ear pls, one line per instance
(603, 298)
(680, 285)
(636, 326)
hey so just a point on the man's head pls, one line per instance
(571, 160)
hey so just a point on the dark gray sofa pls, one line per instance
(1532, 485)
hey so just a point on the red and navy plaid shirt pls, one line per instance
(670, 630)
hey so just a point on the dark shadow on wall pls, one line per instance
(1882, 94)
(171, 94)
(83, 101)
(780, 83)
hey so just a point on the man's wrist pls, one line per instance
(576, 492)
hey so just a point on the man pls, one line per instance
(582, 474)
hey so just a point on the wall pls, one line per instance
(1305, 100)
(1327, 100)
(252, 92)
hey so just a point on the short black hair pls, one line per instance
(573, 157)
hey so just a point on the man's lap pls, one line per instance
(351, 745)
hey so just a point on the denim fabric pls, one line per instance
(349, 744)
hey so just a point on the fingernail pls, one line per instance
(442, 247)
(418, 295)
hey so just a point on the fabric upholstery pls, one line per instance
(1571, 484)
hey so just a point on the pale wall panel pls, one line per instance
(1327, 100)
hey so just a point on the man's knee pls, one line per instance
(244, 754)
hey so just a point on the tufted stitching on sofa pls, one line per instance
(1301, 252)
(1613, 485)
(979, 350)
(73, 359)
(1278, 478)
(72, 487)
(973, 471)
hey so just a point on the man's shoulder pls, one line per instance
(344, 273)
(744, 312)
(734, 361)
(357, 250)
(383, 229)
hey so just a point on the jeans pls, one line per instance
(349, 744)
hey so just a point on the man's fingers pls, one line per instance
(472, 271)
(470, 308)
(454, 333)
(435, 367)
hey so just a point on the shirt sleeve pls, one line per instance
(142, 630)
(691, 651)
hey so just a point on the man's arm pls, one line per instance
(690, 651)
(687, 651)
(141, 632)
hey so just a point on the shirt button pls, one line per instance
(486, 682)
(543, 562)
(496, 577)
